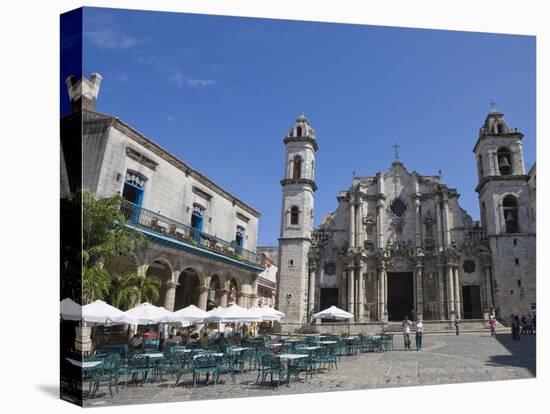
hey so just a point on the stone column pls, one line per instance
(169, 295)
(359, 226)
(418, 228)
(450, 291)
(361, 293)
(380, 223)
(441, 284)
(351, 290)
(419, 292)
(438, 225)
(446, 225)
(223, 298)
(203, 298)
(457, 292)
(382, 293)
(311, 292)
(378, 294)
(351, 222)
(241, 299)
(489, 288)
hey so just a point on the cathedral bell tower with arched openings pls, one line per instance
(296, 223)
(503, 194)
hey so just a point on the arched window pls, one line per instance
(297, 169)
(504, 156)
(510, 212)
(299, 131)
(294, 215)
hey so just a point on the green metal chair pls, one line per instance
(226, 365)
(204, 364)
(271, 364)
(108, 372)
(138, 365)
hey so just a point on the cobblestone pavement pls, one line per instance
(444, 359)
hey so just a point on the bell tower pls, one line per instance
(505, 215)
(296, 222)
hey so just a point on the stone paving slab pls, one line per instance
(444, 359)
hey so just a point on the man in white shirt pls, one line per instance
(406, 332)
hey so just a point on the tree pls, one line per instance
(147, 288)
(122, 291)
(104, 237)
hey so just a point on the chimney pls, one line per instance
(83, 93)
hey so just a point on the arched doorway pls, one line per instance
(233, 292)
(161, 271)
(187, 293)
(215, 293)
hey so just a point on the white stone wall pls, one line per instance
(168, 190)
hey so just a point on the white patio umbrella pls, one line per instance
(189, 314)
(267, 313)
(70, 310)
(334, 313)
(101, 313)
(146, 314)
(233, 313)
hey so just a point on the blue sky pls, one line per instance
(221, 92)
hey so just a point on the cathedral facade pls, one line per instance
(399, 243)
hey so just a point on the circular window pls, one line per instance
(398, 207)
(330, 268)
(469, 266)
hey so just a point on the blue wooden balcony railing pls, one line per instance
(142, 217)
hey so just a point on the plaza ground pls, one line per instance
(444, 359)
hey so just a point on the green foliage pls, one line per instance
(147, 289)
(104, 237)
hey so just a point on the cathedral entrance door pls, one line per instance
(471, 302)
(329, 297)
(400, 295)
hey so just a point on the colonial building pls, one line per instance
(202, 238)
(399, 243)
(267, 280)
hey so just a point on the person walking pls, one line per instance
(493, 325)
(406, 333)
(529, 324)
(515, 327)
(419, 331)
(457, 322)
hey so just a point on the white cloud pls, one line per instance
(123, 77)
(109, 38)
(179, 78)
(170, 118)
(199, 83)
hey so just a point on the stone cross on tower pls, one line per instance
(396, 146)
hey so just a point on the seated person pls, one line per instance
(136, 342)
(204, 340)
(235, 339)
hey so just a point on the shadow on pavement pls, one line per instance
(523, 353)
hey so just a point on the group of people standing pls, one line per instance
(525, 326)
(419, 328)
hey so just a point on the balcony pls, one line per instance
(163, 228)
(476, 237)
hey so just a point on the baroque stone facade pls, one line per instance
(399, 243)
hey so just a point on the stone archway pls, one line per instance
(214, 293)
(161, 270)
(188, 290)
(233, 292)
